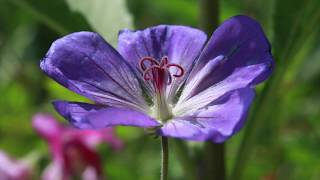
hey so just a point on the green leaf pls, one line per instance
(310, 71)
(12, 52)
(106, 17)
(54, 14)
(295, 22)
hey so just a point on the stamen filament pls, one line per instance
(177, 66)
(151, 60)
(159, 75)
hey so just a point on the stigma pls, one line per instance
(159, 72)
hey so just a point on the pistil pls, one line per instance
(159, 75)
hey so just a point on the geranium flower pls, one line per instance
(165, 77)
(12, 169)
(72, 150)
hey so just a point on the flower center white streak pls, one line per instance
(194, 82)
(238, 79)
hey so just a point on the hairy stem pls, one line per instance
(164, 158)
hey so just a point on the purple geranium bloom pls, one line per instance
(11, 169)
(165, 77)
(73, 150)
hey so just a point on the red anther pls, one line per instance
(164, 61)
(151, 60)
(169, 77)
(177, 66)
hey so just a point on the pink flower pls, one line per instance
(73, 151)
(11, 169)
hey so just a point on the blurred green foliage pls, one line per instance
(282, 136)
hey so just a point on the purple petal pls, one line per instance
(180, 44)
(242, 43)
(87, 116)
(240, 78)
(217, 122)
(86, 64)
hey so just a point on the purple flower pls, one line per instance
(165, 77)
(11, 169)
(72, 150)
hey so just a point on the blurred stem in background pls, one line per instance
(209, 15)
(187, 161)
(213, 154)
(251, 129)
(27, 7)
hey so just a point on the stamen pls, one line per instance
(169, 77)
(150, 69)
(177, 66)
(159, 75)
(159, 72)
(164, 61)
(151, 60)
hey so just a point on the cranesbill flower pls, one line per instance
(166, 77)
(73, 151)
(12, 169)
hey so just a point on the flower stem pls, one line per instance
(164, 158)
